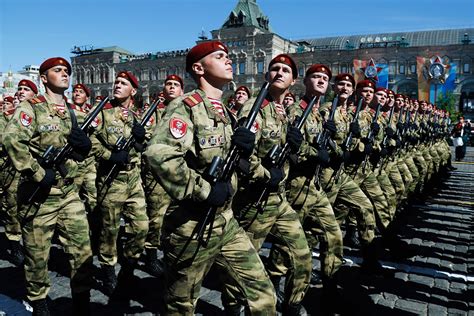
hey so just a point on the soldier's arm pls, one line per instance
(99, 150)
(167, 153)
(16, 140)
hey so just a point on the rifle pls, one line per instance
(386, 138)
(277, 155)
(348, 142)
(221, 170)
(127, 144)
(54, 158)
(323, 138)
(371, 136)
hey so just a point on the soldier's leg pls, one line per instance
(396, 180)
(158, 202)
(406, 176)
(249, 276)
(414, 173)
(388, 191)
(89, 186)
(372, 189)
(422, 169)
(12, 222)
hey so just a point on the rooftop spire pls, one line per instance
(247, 13)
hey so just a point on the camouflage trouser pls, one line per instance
(422, 167)
(85, 181)
(389, 193)
(319, 223)
(229, 247)
(425, 151)
(406, 175)
(283, 223)
(344, 195)
(436, 158)
(395, 179)
(444, 152)
(413, 171)
(158, 202)
(123, 198)
(63, 212)
(9, 204)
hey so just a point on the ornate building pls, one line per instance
(252, 44)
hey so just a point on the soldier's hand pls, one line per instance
(138, 133)
(220, 193)
(120, 158)
(390, 132)
(400, 126)
(294, 138)
(323, 157)
(375, 127)
(244, 140)
(79, 141)
(276, 175)
(383, 152)
(330, 126)
(354, 128)
(368, 149)
(48, 180)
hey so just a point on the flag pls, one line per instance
(423, 78)
(370, 70)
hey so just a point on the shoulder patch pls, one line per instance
(178, 127)
(303, 104)
(193, 100)
(264, 103)
(108, 106)
(161, 105)
(38, 99)
(25, 119)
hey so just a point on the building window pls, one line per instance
(343, 69)
(301, 72)
(392, 69)
(413, 69)
(260, 67)
(241, 68)
(466, 68)
(234, 68)
(401, 69)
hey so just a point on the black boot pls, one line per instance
(315, 278)
(40, 308)
(279, 294)
(110, 279)
(125, 280)
(16, 256)
(294, 310)
(350, 239)
(235, 310)
(81, 304)
(331, 300)
(370, 265)
(154, 266)
(398, 248)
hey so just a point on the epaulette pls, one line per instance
(108, 106)
(161, 105)
(264, 103)
(77, 108)
(38, 99)
(193, 100)
(303, 104)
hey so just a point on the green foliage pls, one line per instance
(448, 102)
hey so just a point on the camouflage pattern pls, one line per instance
(124, 197)
(179, 157)
(31, 130)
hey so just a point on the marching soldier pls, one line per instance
(289, 100)
(157, 199)
(37, 124)
(241, 95)
(121, 196)
(194, 129)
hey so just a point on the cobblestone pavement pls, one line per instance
(439, 280)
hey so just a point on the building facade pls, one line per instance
(252, 44)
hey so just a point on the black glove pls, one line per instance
(383, 152)
(375, 157)
(294, 138)
(323, 157)
(398, 143)
(79, 141)
(375, 127)
(422, 125)
(331, 127)
(390, 132)
(400, 126)
(120, 158)
(48, 180)
(368, 149)
(346, 157)
(220, 193)
(276, 175)
(244, 140)
(354, 128)
(138, 133)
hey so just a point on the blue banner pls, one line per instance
(382, 76)
(447, 86)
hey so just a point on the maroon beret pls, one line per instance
(8, 99)
(390, 92)
(398, 95)
(130, 77)
(345, 77)
(28, 83)
(55, 61)
(287, 60)
(319, 68)
(83, 87)
(175, 78)
(365, 83)
(382, 89)
(245, 89)
(201, 50)
(289, 94)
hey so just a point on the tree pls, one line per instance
(448, 102)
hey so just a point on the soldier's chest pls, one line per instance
(116, 124)
(52, 128)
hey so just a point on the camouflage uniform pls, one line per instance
(278, 217)
(124, 197)
(31, 130)
(310, 201)
(192, 132)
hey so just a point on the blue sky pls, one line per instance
(33, 30)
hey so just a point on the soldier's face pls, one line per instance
(123, 89)
(399, 102)
(316, 83)
(7, 106)
(25, 93)
(381, 97)
(391, 100)
(56, 77)
(172, 90)
(367, 94)
(281, 76)
(344, 89)
(287, 101)
(217, 67)
(241, 97)
(79, 96)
